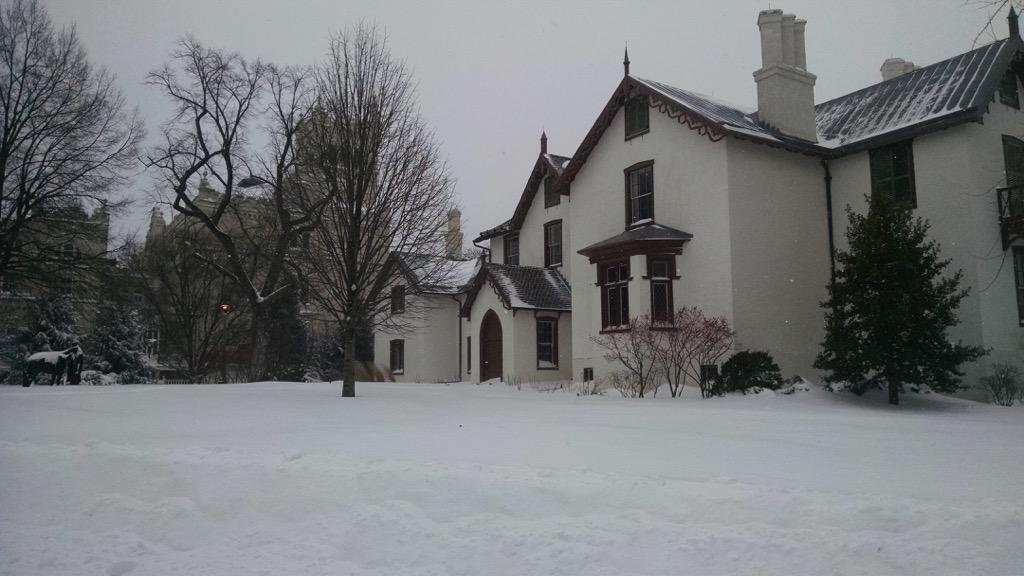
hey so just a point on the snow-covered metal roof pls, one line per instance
(960, 85)
(524, 287)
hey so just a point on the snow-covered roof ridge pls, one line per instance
(526, 287)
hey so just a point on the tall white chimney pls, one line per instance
(893, 67)
(785, 89)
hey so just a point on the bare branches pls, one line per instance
(220, 97)
(389, 190)
(66, 141)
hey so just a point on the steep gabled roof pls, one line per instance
(943, 94)
(546, 164)
(955, 90)
(523, 287)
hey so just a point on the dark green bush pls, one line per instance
(750, 369)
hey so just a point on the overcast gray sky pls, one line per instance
(492, 75)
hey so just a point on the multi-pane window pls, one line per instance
(1013, 160)
(553, 243)
(512, 248)
(397, 299)
(1018, 274)
(892, 173)
(638, 118)
(397, 360)
(551, 198)
(547, 343)
(640, 193)
(1008, 93)
(660, 272)
(614, 280)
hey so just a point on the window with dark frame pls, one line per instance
(469, 354)
(892, 173)
(638, 117)
(512, 249)
(660, 271)
(551, 198)
(547, 343)
(397, 360)
(640, 193)
(397, 299)
(1018, 274)
(553, 243)
(614, 280)
(1008, 91)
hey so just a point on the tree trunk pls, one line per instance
(894, 393)
(348, 373)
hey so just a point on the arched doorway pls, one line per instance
(490, 346)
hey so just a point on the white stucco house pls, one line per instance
(674, 199)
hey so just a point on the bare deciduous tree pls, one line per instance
(390, 190)
(66, 143)
(223, 102)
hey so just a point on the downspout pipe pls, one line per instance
(831, 225)
(486, 251)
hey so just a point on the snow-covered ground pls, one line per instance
(283, 479)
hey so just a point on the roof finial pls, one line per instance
(625, 62)
(1014, 22)
(543, 142)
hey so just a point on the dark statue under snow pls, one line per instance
(63, 366)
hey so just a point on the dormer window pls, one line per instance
(551, 198)
(1008, 93)
(640, 193)
(638, 119)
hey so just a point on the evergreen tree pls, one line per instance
(890, 305)
(287, 341)
(117, 342)
(53, 325)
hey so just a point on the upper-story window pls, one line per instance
(640, 192)
(396, 361)
(551, 198)
(397, 299)
(892, 173)
(638, 117)
(512, 248)
(553, 243)
(614, 280)
(1008, 92)
(1018, 275)
(1013, 160)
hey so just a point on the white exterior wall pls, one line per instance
(956, 172)
(690, 193)
(518, 340)
(780, 260)
(497, 249)
(431, 344)
(531, 235)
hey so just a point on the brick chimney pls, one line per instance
(453, 237)
(785, 89)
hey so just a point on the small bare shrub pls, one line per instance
(1004, 385)
(635, 349)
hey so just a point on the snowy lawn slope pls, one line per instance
(283, 479)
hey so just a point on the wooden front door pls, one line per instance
(490, 346)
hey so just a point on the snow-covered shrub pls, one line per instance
(747, 370)
(1004, 385)
(630, 385)
(97, 378)
(794, 385)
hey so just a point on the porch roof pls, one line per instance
(647, 238)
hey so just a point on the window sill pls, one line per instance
(664, 328)
(548, 368)
(553, 266)
(637, 134)
(398, 372)
(639, 223)
(615, 330)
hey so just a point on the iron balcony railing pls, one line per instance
(1011, 213)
